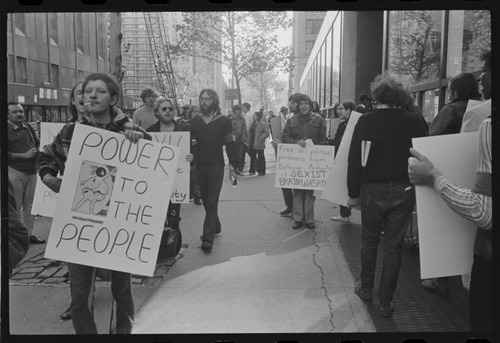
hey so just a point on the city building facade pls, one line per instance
(353, 47)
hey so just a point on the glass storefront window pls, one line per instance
(469, 33)
(430, 105)
(415, 45)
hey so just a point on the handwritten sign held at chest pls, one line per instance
(113, 202)
(180, 191)
(303, 168)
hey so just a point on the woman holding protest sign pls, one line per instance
(100, 95)
(305, 127)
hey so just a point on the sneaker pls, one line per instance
(363, 293)
(251, 173)
(385, 311)
(296, 225)
(340, 219)
(286, 212)
(433, 286)
(217, 234)
(206, 246)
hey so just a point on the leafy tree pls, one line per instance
(415, 44)
(246, 42)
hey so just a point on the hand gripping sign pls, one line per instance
(113, 202)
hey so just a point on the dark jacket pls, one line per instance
(313, 127)
(449, 119)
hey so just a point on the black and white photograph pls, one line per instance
(386, 229)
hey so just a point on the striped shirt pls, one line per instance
(475, 204)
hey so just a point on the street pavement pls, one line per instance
(261, 277)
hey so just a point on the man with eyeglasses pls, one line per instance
(209, 132)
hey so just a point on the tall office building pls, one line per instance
(47, 54)
(306, 26)
(190, 73)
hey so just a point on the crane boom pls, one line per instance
(159, 43)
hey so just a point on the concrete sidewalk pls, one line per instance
(261, 277)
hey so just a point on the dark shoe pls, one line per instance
(251, 173)
(262, 174)
(286, 212)
(206, 246)
(385, 311)
(311, 225)
(217, 234)
(433, 286)
(297, 225)
(363, 293)
(35, 240)
(198, 201)
(66, 315)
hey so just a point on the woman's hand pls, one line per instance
(189, 157)
(302, 143)
(133, 136)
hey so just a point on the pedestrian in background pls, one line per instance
(240, 134)
(461, 89)
(344, 110)
(144, 116)
(101, 92)
(304, 125)
(248, 121)
(23, 147)
(260, 132)
(381, 181)
(210, 131)
(18, 233)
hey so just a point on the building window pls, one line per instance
(313, 26)
(309, 47)
(21, 70)
(469, 33)
(54, 38)
(415, 45)
(20, 24)
(79, 33)
(54, 73)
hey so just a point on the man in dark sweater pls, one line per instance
(209, 132)
(380, 178)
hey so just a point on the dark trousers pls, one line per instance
(82, 280)
(257, 161)
(210, 179)
(480, 295)
(288, 197)
(384, 205)
(240, 149)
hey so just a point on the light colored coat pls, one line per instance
(261, 134)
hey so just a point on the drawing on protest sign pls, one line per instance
(444, 236)
(45, 200)
(94, 188)
(180, 192)
(113, 202)
(336, 185)
(303, 168)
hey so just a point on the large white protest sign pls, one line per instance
(303, 168)
(446, 239)
(113, 202)
(45, 200)
(180, 192)
(276, 129)
(336, 185)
